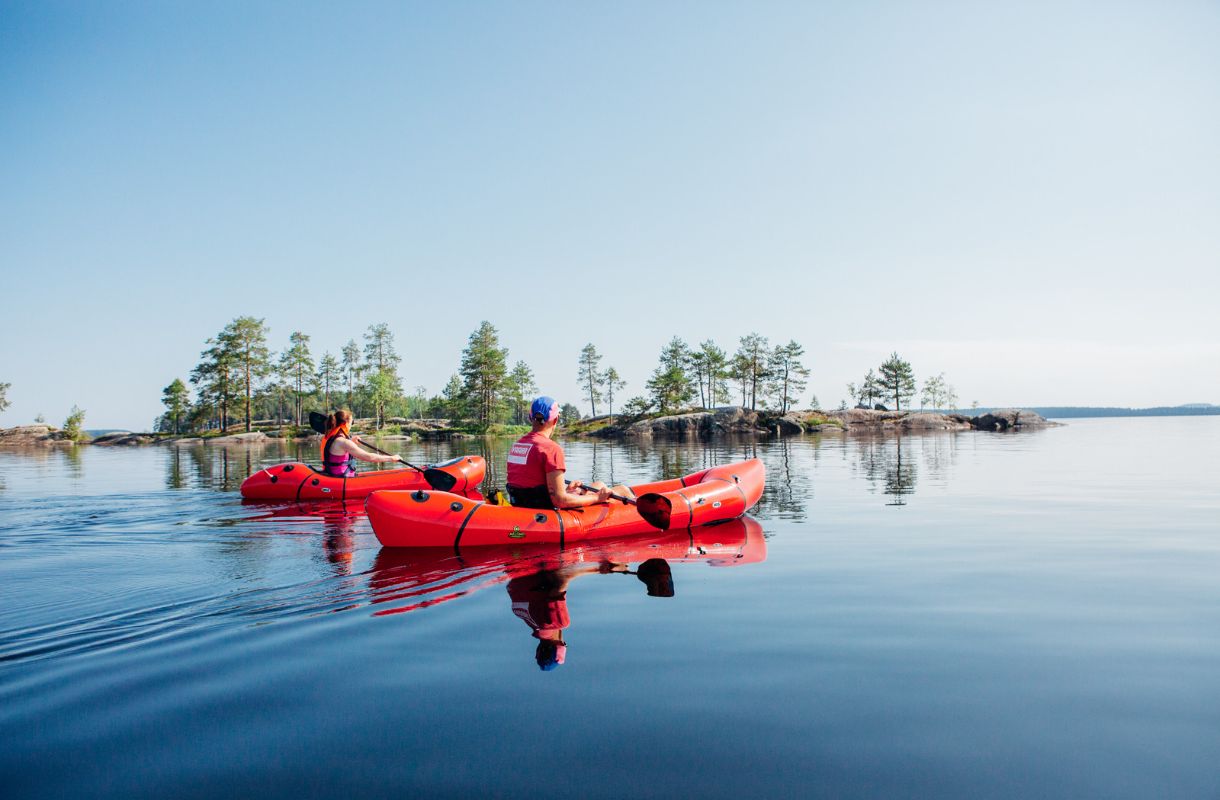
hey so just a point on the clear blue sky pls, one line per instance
(1025, 196)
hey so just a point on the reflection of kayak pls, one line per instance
(441, 519)
(302, 482)
(413, 578)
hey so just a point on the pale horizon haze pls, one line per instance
(1024, 197)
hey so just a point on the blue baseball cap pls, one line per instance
(545, 408)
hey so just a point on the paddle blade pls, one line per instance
(656, 575)
(317, 422)
(655, 509)
(440, 480)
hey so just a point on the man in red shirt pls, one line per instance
(536, 467)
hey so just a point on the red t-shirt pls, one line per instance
(531, 458)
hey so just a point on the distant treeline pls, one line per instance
(1109, 411)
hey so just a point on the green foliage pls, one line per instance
(296, 367)
(750, 368)
(176, 399)
(382, 385)
(568, 414)
(520, 389)
(937, 393)
(73, 425)
(709, 368)
(612, 383)
(637, 407)
(4, 401)
(670, 385)
(245, 340)
(896, 381)
(383, 388)
(589, 376)
(484, 372)
(327, 378)
(500, 429)
(379, 353)
(787, 373)
(215, 380)
(867, 391)
(351, 369)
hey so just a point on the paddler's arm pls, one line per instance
(569, 495)
(356, 451)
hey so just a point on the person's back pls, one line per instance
(529, 461)
(536, 467)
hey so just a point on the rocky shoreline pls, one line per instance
(725, 421)
(734, 420)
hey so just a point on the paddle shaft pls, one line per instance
(613, 496)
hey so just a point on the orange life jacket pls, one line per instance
(344, 431)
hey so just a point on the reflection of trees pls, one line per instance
(74, 460)
(884, 462)
(939, 454)
(175, 477)
(789, 487)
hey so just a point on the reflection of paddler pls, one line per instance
(540, 599)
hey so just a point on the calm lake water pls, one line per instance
(951, 615)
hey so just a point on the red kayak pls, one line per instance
(302, 482)
(410, 579)
(425, 518)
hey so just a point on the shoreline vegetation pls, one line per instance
(243, 391)
(690, 424)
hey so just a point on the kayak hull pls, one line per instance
(424, 518)
(297, 481)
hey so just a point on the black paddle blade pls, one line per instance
(655, 509)
(656, 575)
(317, 422)
(440, 480)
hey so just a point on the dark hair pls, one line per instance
(338, 418)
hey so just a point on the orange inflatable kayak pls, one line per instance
(298, 481)
(424, 518)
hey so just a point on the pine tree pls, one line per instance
(520, 389)
(381, 367)
(351, 370)
(589, 377)
(245, 338)
(328, 376)
(176, 398)
(612, 382)
(714, 364)
(215, 380)
(897, 381)
(4, 401)
(483, 372)
(296, 363)
(750, 367)
(788, 373)
(670, 383)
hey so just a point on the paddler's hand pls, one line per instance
(577, 486)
